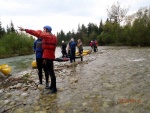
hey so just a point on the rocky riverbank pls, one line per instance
(114, 79)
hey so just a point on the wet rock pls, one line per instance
(6, 102)
(41, 87)
(1, 91)
(24, 95)
(19, 85)
(74, 111)
(17, 99)
(59, 80)
(12, 103)
(108, 85)
(29, 101)
(61, 111)
(20, 110)
(8, 95)
(57, 69)
(73, 80)
(84, 104)
(61, 89)
(40, 112)
(37, 108)
(24, 89)
(33, 88)
(18, 93)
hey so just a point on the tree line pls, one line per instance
(119, 29)
(14, 43)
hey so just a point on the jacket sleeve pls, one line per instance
(37, 34)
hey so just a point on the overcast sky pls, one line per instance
(63, 15)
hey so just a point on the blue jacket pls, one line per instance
(72, 45)
(38, 48)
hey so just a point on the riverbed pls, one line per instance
(112, 80)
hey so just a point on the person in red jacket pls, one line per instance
(49, 46)
(91, 44)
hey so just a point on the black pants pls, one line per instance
(80, 52)
(39, 67)
(49, 70)
(64, 53)
(72, 55)
(95, 49)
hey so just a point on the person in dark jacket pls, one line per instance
(63, 49)
(72, 45)
(49, 42)
(39, 60)
(38, 52)
(94, 46)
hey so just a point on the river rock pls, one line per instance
(12, 103)
(40, 112)
(20, 110)
(7, 101)
(61, 111)
(24, 89)
(41, 87)
(24, 95)
(19, 85)
(1, 91)
(73, 80)
(37, 108)
(108, 85)
(8, 95)
(84, 104)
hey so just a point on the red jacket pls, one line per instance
(48, 43)
(91, 44)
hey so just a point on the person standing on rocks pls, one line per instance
(63, 49)
(38, 53)
(72, 46)
(91, 44)
(80, 48)
(49, 46)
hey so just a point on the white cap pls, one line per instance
(62, 41)
(72, 39)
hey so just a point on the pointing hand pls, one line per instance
(21, 29)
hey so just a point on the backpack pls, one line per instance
(38, 45)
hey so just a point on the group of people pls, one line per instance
(45, 47)
(69, 50)
(94, 45)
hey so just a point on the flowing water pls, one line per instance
(114, 80)
(21, 64)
